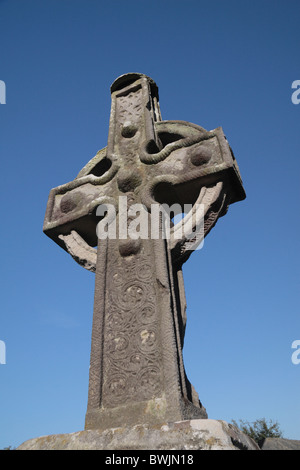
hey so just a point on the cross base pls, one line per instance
(153, 412)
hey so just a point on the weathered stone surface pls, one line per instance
(277, 443)
(201, 434)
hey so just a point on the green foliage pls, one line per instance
(259, 430)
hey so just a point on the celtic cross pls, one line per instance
(137, 373)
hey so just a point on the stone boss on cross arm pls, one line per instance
(136, 369)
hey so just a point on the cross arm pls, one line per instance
(70, 218)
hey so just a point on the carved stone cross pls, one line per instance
(136, 369)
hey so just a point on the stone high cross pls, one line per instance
(137, 373)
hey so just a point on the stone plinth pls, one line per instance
(198, 434)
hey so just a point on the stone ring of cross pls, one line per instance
(167, 162)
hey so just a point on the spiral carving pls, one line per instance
(132, 366)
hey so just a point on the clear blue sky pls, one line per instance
(228, 64)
